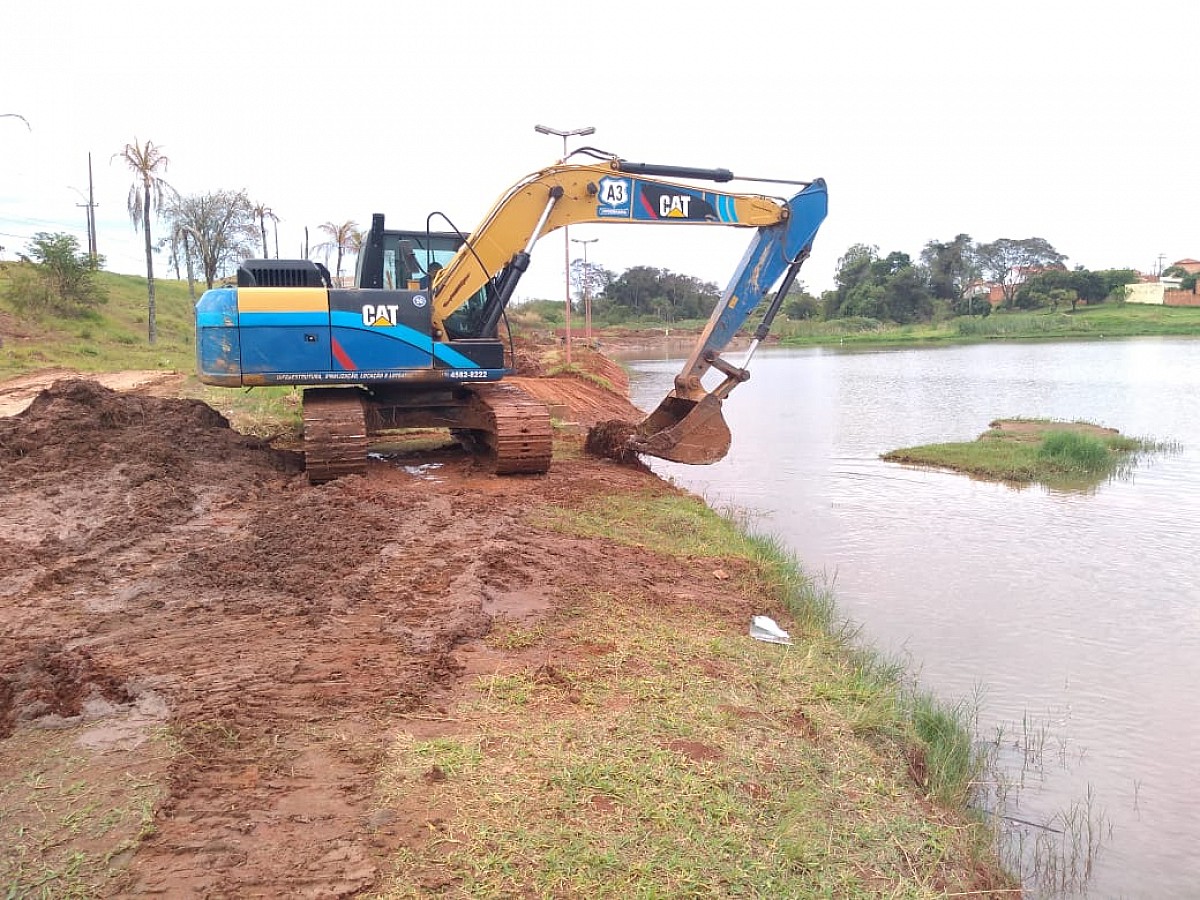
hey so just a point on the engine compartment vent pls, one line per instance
(283, 273)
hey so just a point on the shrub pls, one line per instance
(54, 277)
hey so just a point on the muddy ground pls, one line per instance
(185, 621)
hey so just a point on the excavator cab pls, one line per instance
(411, 260)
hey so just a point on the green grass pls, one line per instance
(110, 338)
(62, 835)
(678, 758)
(1076, 455)
(1074, 452)
(580, 372)
(1103, 321)
(266, 412)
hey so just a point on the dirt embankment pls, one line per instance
(179, 606)
(204, 660)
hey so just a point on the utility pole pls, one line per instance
(587, 287)
(574, 132)
(92, 247)
(90, 206)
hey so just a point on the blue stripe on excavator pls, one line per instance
(725, 209)
(441, 352)
(767, 258)
(273, 350)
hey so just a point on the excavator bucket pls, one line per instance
(684, 431)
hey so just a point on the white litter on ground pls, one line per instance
(764, 628)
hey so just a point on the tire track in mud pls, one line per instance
(269, 635)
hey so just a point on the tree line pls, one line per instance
(206, 235)
(954, 277)
(642, 291)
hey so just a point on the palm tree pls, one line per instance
(262, 212)
(340, 238)
(146, 162)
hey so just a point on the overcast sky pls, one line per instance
(1071, 121)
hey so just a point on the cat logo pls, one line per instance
(674, 206)
(379, 316)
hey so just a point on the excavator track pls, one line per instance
(509, 426)
(335, 433)
(516, 429)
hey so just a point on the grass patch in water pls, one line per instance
(1077, 455)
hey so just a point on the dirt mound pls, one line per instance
(540, 356)
(76, 424)
(578, 400)
(17, 393)
(610, 440)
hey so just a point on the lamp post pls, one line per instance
(587, 291)
(574, 132)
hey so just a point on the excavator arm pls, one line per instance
(688, 425)
(611, 191)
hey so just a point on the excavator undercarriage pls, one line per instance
(502, 423)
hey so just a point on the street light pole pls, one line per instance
(574, 132)
(587, 292)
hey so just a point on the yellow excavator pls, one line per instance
(415, 343)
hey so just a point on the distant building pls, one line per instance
(1191, 266)
(1151, 292)
(1160, 292)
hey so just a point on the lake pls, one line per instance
(1071, 617)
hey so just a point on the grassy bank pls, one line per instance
(1096, 322)
(1105, 321)
(675, 757)
(1023, 451)
(109, 338)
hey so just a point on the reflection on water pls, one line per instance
(1077, 609)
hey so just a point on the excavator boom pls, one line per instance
(688, 425)
(610, 191)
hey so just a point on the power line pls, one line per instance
(26, 220)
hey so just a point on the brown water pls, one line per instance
(1073, 616)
